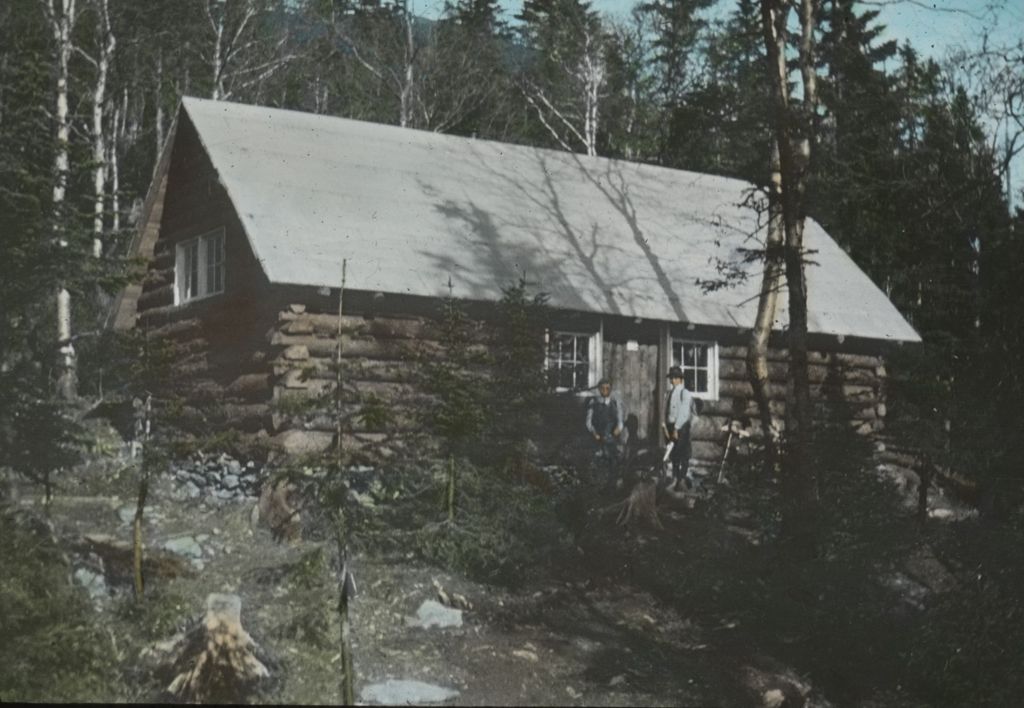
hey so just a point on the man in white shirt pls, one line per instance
(678, 415)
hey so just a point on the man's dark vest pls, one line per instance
(605, 416)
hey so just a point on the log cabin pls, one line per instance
(252, 211)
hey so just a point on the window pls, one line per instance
(572, 360)
(699, 362)
(199, 267)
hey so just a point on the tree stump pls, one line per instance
(642, 503)
(278, 510)
(216, 662)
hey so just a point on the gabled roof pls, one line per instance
(410, 209)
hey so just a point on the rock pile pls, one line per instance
(221, 478)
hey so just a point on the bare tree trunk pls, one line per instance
(592, 73)
(757, 349)
(792, 129)
(216, 65)
(409, 80)
(62, 19)
(115, 172)
(99, 139)
(158, 121)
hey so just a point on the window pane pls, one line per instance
(567, 346)
(214, 263)
(564, 377)
(702, 354)
(688, 379)
(192, 261)
(702, 381)
(688, 355)
(583, 349)
(582, 376)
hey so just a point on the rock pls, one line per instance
(364, 500)
(229, 481)
(234, 466)
(526, 655)
(127, 513)
(433, 614)
(617, 680)
(398, 692)
(774, 698)
(573, 693)
(927, 569)
(303, 442)
(184, 546)
(192, 490)
(94, 583)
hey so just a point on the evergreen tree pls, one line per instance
(722, 125)
(856, 168)
(677, 30)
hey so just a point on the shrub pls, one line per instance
(52, 648)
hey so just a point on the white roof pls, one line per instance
(410, 209)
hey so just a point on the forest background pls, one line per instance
(911, 172)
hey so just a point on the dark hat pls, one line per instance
(604, 380)
(675, 373)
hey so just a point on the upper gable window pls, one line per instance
(199, 267)
(699, 362)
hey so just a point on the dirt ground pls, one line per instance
(585, 635)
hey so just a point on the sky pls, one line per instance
(935, 28)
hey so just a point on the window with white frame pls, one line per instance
(199, 267)
(573, 360)
(699, 362)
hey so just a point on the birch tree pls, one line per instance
(384, 42)
(246, 49)
(105, 45)
(767, 307)
(565, 85)
(61, 16)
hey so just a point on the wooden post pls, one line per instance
(346, 591)
(664, 358)
(346, 584)
(140, 504)
(451, 489)
(337, 373)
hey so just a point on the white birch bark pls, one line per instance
(158, 121)
(398, 77)
(577, 120)
(107, 45)
(240, 59)
(409, 74)
(115, 174)
(61, 17)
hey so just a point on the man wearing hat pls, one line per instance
(605, 416)
(678, 413)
